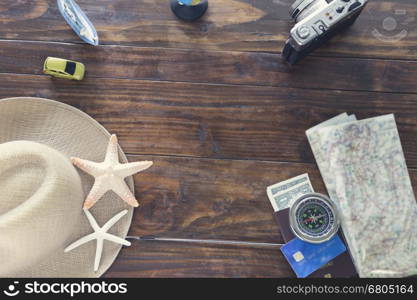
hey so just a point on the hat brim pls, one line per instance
(73, 133)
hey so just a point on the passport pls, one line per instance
(305, 258)
(339, 267)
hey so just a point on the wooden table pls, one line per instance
(214, 106)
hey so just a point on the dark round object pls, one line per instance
(314, 218)
(189, 13)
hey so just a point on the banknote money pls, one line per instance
(283, 193)
(287, 184)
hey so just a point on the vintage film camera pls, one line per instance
(317, 22)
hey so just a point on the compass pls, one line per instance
(314, 218)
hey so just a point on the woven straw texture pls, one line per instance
(41, 194)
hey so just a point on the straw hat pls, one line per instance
(41, 193)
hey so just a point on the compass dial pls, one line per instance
(313, 218)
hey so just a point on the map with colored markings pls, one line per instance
(364, 169)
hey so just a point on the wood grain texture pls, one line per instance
(207, 199)
(226, 122)
(213, 199)
(213, 105)
(217, 67)
(237, 25)
(160, 259)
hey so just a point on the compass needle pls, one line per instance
(314, 218)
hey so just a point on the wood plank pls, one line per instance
(208, 199)
(213, 199)
(215, 67)
(159, 259)
(200, 120)
(237, 25)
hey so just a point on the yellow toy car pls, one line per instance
(64, 68)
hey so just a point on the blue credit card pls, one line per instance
(305, 258)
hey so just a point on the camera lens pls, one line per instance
(302, 8)
(299, 6)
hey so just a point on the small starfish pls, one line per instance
(100, 234)
(110, 174)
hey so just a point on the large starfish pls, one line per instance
(110, 175)
(100, 234)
